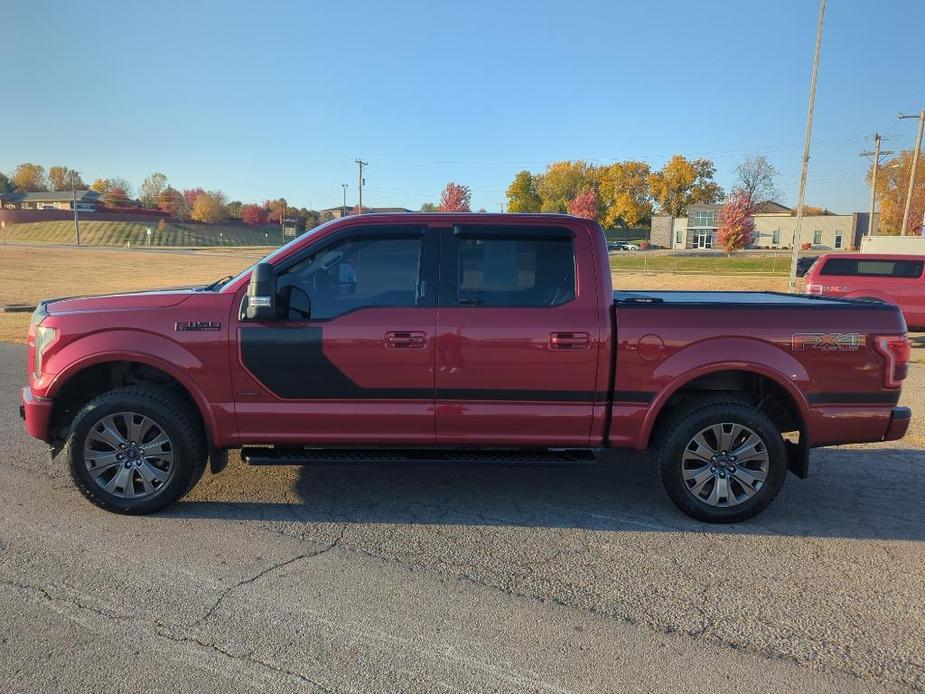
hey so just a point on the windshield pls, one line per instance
(276, 254)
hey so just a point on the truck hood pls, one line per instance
(159, 298)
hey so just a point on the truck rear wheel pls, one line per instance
(136, 450)
(722, 462)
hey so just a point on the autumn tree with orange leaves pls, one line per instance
(892, 188)
(736, 225)
(455, 198)
(586, 204)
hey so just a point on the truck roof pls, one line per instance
(481, 217)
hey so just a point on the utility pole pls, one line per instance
(797, 235)
(74, 175)
(361, 164)
(876, 154)
(915, 164)
(343, 212)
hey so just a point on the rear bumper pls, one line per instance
(899, 423)
(835, 425)
(36, 413)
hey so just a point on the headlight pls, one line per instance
(44, 336)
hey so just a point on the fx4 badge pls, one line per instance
(198, 326)
(827, 342)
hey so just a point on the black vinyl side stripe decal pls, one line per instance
(292, 364)
(826, 398)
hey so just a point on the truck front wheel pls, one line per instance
(136, 450)
(722, 462)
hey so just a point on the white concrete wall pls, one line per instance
(830, 227)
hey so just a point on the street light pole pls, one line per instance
(795, 243)
(915, 164)
(344, 208)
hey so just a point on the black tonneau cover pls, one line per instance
(740, 299)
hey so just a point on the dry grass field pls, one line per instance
(29, 274)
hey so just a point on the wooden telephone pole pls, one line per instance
(808, 138)
(915, 165)
(361, 181)
(876, 155)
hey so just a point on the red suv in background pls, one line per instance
(896, 279)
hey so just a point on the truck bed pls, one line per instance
(716, 299)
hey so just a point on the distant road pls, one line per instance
(256, 251)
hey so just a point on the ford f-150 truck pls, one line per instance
(451, 339)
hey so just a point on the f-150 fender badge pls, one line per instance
(827, 342)
(197, 326)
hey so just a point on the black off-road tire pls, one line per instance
(173, 414)
(687, 424)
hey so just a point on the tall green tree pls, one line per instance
(522, 195)
(682, 182)
(6, 185)
(30, 178)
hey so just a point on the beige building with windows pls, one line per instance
(87, 200)
(774, 228)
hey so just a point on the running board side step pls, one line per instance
(387, 456)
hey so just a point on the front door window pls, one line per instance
(703, 239)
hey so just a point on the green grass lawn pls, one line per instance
(110, 233)
(705, 264)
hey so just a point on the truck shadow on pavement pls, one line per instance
(863, 493)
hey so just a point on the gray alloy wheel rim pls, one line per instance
(129, 455)
(725, 465)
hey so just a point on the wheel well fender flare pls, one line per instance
(137, 346)
(722, 354)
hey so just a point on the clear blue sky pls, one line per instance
(268, 99)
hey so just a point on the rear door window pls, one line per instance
(908, 269)
(516, 269)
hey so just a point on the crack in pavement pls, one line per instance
(246, 657)
(256, 577)
(164, 629)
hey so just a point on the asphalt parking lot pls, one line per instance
(486, 579)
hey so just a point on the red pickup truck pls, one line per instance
(452, 339)
(894, 278)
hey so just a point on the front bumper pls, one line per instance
(36, 413)
(899, 423)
